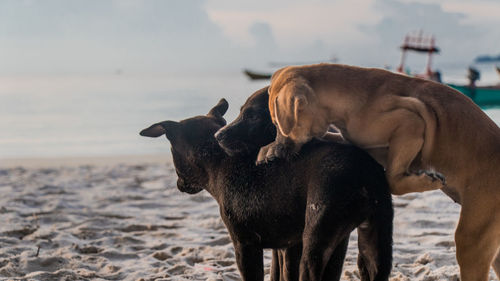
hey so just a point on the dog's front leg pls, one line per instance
(276, 265)
(289, 263)
(249, 258)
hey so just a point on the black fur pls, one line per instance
(318, 198)
(251, 130)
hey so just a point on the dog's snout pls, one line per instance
(180, 182)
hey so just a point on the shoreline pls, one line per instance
(72, 161)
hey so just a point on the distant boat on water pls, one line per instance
(257, 75)
(483, 96)
(487, 59)
(254, 75)
(424, 44)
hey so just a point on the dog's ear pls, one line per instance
(219, 110)
(288, 110)
(169, 128)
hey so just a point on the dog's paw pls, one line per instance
(262, 156)
(279, 151)
(272, 152)
(435, 176)
(416, 181)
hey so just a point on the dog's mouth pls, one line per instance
(186, 187)
(233, 148)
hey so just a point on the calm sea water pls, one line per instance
(54, 116)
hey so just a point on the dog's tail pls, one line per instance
(375, 235)
(418, 107)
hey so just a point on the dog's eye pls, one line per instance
(251, 116)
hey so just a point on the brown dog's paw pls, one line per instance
(261, 157)
(269, 153)
(418, 181)
(274, 151)
(435, 176)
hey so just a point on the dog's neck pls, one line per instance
(336, 107)
(218, 164)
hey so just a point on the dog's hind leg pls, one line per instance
(477, 243)
(333, 269)
(405, 144)
(375, 249)
(323, 232)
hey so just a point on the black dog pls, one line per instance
(253, 129)
(318, 199)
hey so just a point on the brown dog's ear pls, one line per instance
(169, 128)
(287, 111)
(219, 110)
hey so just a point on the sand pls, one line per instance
(111, 221)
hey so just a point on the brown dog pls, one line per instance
(421, 131)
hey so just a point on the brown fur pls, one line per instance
(427, 135)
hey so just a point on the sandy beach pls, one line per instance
(124, 219)
(84, 196)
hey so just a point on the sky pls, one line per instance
(156, 36)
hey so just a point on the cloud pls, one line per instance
(88, 35)
(62, 36)
(457, 40)
(366, 32)
(303, 31)
(263, 34)
(296, 23)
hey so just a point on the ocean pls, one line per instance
(101, 115)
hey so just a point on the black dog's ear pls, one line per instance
(169, 128)
(220, 109)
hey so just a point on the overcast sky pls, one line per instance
(100, 36)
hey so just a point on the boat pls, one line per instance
(483, 96)
(419, 43)
(487, 59)
(253, 75)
